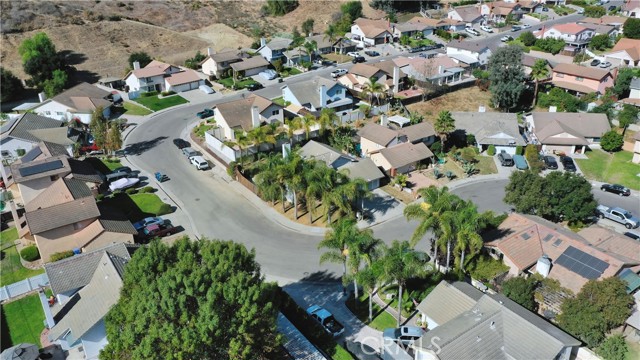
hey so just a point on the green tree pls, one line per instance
(401, 263)
(98, 127)
(368, 279)
(613, 348)
(40, 59)
(550, 45)
(10, 86)
(297, 37)
(311, 47)
(56, 84)
(373, 90)
(507, 77)
(141, 57)
(627, 116)
(564, 101)
(468, 225)
(331, 34)
(194, 62)
(194, 299)
(337, 242)
(595, 11)
(269, 188)
(527, 38)
(600, 42)
(327, 120)
(307, 26)
(623, 81)
(611, 141)
(539, 71)
(521, 290)
(631, 28)
(533, 158)
(342, 139)
(599, 307)
(114, 138)
(364, 249)
(352, 8)
(281, 7)
(445, 124)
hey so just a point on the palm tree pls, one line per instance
(400, 263)
(372, 89)
(307, 121)
(242, 142)
(293, 125)
(295, 169)
(319, 180)
(260, 135)
(368, 278)
(327, 120)
(363, 248)
(539, 71)
(331, 33)
(444, 125)
(468, 225)
(311, 47)
(337, 241)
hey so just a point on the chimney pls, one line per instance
(396, 79)
(323, 95)
(209, 51)
(440, 69)
(481, 109)
(553, 109)
(383, 120)
(255, 117)
(136, 65)
(263, 42)
(42, 96)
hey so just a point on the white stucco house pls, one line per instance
(626, 52)
(76, 103)
(573, 34)
(246, 114)
(149, 78)
(371, 32)
(468, 52)
(317, 94)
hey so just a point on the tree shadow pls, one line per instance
(72, 58)
(320, 276)
(142, 146)
(121, 207)
(5, 337)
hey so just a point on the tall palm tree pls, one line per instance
(242, 142)
(400, 263)
(319, 180)
(369, 279)
(372, 89)
(337, 241)
(331, 34)
(307, 121)
(444, 125)
(364, 248)
(293, 125)
(327, 120)
(539, 71)
(311, 47)
(295, 169)
(468, 225)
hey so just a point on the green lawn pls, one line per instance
(486, 165)
(22, 321)
(11, 269)
(149, 203)
(290, 71)
(155, 103)
(201, 129)
(133, 109)
(611, 168)
(279, 101)
(341, 354)
(381, 319)
(228, 83)
(134, 207)
(112, 163)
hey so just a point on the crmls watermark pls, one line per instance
(388, 347)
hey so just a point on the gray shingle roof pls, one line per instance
(446, 301)
(75, 272)
(60, 215)
(279, 43)
(30, 121)
(379, 134)
(83, 97)
(59, 135)
(405, 154)
(78, 188)
(581, 125)
(468, 45)
(364, 169)
(55, 149)
(417, 131)
(490, 128)
(118, 226)
(83, 170)
(308, 92)
(358, 168)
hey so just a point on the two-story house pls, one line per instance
(634, 93)
(468, 14)
(246, 114)
(76, 103)
(371, 32)
(573, 34)
(216, 64)
(626, 52)
(569, 133)
(469, 53)
(498, 11)
(581, 79)
(438, 70)
(274, 49)
(385, 73)
(149, 78)
(16, 137)
(317, 94)
(445, 24)
(631, 9)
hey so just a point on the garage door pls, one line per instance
(511, 150)
(551, 149)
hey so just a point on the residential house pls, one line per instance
(217, 64)
(499, 11)
(91, 283)
(636, 148)
(418, 133)
(183, 81)
(363, 168)
(412, 29)
(437, 70)
(529, 244)
(469, 53)
(626, 52)
(528, 7)
(77, 103)
(371, 32)
(251, 66)
(274, 49)
(317, 94)
(468, 14)
(296, 56)
(612, 242)
(375, 137)
(475, 325)
(631, 9)
(498, 129)
(323, 44)
(445, 24)
(344, 45)
(150, 78)
(529, 61)
(601, 29)
(615, 21)
(383, 73)
(246, 114)
(575, 35)
(567, 133)
(634, 93)
(581, 80)
(554, 2)
(402, 158)
(16, 137)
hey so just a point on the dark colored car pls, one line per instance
(205, 113)
(371, 53)
(180, 143)
(568, 164)
(595, 62)
(158, 230)
(550, 162)
(616, 189)
(358, 59)
(125, 169)
(254, 86)
(415, 49)
(612, 8)
(633, 235)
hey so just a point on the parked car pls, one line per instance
(526, 26)
(486, 28)
(405, 335)
(545, 9)
(199, 162)
(505, 159)
(605, 64)
(254, 86)
(158, 230)
(181, 143)
(568, 164)
(117, 175)
(189, 152)
(147, 221)
(550, 162)
(472, 31)
(326, 319)
(515, 28)
(595, 62)
(206, 89)
(619, 215)
(268, 74)
(122, 169)
(123, 183)
(415, 49)
(506, 38)
(371, 53)
(632, 234)
(358, 59)
(520, 162)
(616, 189)
(338, 72)
(612, 8)
(205, 113)
(353, 53)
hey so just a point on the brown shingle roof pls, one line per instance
(581, 71)
(625, 248)
(61, 191)
(405, 154)
(251, 63)
(183, 77)
(237, 113)
(581, 125)
(377, 133)
(83, 97)
(372, 28)
(61, 215)
(417, 131)
(154, 68)
(631, 46)
(365, 70)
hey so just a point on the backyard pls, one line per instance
(10, 265)
(133, 109)
(611, 168)
(468, 99)
(155, 103)
(22, 321)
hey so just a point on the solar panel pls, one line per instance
(547, 238)
(40, 168)
(525, 236)
(557, 242)
(581, 263)
(32, 154)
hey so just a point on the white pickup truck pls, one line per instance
(618, 215)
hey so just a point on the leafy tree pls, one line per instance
(631, 28)
(600, 42)
(533, 158)
(142, 57)
(277, 64)
(444, 125)
(613, 348)
(114, 138)
(194, 299)
(352, 8)
(564, 101)
(595, 11)
(10, 85)
(327, 120)
(40, 59)
(599, 307)
(507, 76)
(550, 45)
(527, 38)
(521, 290)
(539, 71)
(56, 84)
(627, 116)
(281, 7)
(307, 26)
(611, 141)
(623, 81)
(98, 127)
(194, 62)
(297, 37)
(342, 139)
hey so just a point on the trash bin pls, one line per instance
(280, 80)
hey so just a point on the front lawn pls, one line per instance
(133, 109)
(241, 84)
(611, 168)
(381, 319)
(289, 71)
(202, 128)
(338, 58)
(112, 163)
(155, 103)
(22, 321)
(150, 203)
(10, 266)
(134, 207)
(486, 165)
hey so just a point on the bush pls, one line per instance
(114, 18)
(443, 34)
(611, 141)
(30, 253)
(20, 152)
(531, 154)
(99, 197)
(471, 141)
(149, 94)
(164, 209)
(131, 191)
(61, 255)
(147, 189)
(436, 147)
(167, 93)
(491, 150)
(519, 150)
(550, 45)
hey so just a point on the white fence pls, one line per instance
(22, 287)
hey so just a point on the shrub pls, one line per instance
(147, 189)
(116, 192)
(436, 147)
(131, 191)
(531, 154)
(21, 152)
(611, 141)
(491, 150)
(99, 197)
(61, 255)
(167, 93)
(164, 209)
(443, 34)
(519, 150)
(471, 140)
(30, 253)
(149, 94)
(115, 18)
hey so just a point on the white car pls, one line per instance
(353, 54)
(506, 38)
(486, 28)
(338, 72)
(526, 26)
(199, 162)
(123, 184)
(206, 89)
(472, 31)
(605, 64)
(268, 74)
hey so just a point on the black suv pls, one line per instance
(254, 86)
(358, 59)
(371, 53)
(505, 159)
(568, 164)
(616, 189)
(550, 162)
(180, 143)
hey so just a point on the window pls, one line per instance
(275, 112)
(578, 78)
(59, 113)
(560, 75)
(339, 92)
(47, 112)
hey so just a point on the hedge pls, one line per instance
(30, 253)
(149, 94)
(519, 150)
(491, 150)
(61, 255)
(131, 191)
(164, 209)
(147, 189)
